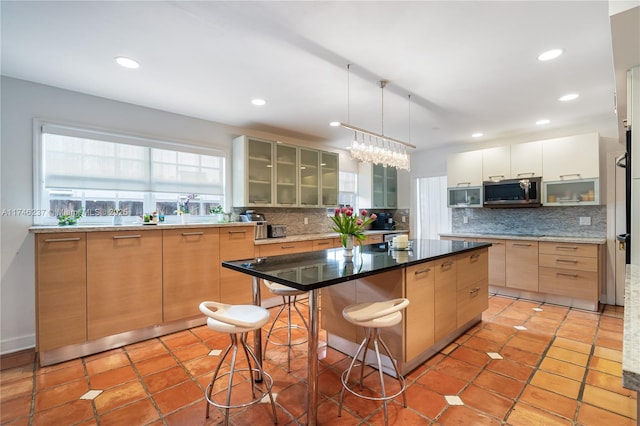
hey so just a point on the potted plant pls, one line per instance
(184, 209)
(218, 213)
(70, 219)
(350, 226)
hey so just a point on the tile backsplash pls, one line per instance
(318, 220)
(551, 221)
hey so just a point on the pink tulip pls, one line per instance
(373, 216)
(336, 212)
(344, 210)
(359, 222)
(363, 212)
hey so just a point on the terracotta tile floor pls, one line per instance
(564, 369)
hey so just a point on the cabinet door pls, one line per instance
(124, 281)
(61, 290)
(378, 183)
(236, 243)
(260, 172)
(526, 160)
(522, 265)
(323, 244)
(573, 157)
(309, 177)
(445, 297)
(497, 261)
(472, 267)
(329, 178)
(472, 300)
(464, 169)
(286, 175)
(420, 312)
(496, 163)
(404, 189)
(191, 271)
(391, 187)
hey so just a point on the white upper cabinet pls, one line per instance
(495, 163)
(526, 160)
(571, 158)
(464, 169)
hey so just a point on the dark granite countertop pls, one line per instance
(317, 269)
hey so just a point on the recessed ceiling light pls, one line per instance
(334, 124)
(258, 102)
(123, 61)
(477, 135)
(550, 54)
(569, 97)
(543, 121)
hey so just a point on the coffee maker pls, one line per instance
(384, 221)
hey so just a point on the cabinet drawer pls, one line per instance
(569, 249)
(572, 283)
(323, 244)
(472, 301)
(236, 242)
(569, 262)
(472, 267)
(285, 248)
(373, 239)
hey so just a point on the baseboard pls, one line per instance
(17, 359)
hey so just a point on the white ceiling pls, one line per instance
(469, 66)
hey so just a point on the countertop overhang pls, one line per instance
(530, 237)
(317, 269)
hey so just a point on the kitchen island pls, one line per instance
(445, 281)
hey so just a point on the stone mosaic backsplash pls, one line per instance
(318, 219)
(550, 221)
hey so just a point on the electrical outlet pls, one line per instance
(404, 219)
(465, 219)
(306, 221)
(585, 220)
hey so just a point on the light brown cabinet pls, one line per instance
(522, 265)
(61, 290)
(236, 243)
(275, 249)
(472, 295)
(497, 261)
(445, 297)
(323, 244)
(124, 281)
(420, 287)
(569, 270)
(191, 271)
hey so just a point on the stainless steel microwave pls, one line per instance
(512, 193)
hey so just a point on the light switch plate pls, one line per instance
(585, 220)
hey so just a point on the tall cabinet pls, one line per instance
(377, 186)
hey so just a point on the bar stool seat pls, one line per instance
(238, 320)
(373, 317)
(289, 298)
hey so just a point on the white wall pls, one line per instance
(21, 102)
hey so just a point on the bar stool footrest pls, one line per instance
(372, 398)
(266, 379)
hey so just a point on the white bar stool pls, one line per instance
(373, 317)
(237, 320)
(289, 298)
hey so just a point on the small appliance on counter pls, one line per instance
(384, 221)
(276, 231)
(261, 223)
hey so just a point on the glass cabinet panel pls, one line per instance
(286, 175)
(329, 178)
(378, 186)
(571, 192)
(260, 172)
(309, 177)
(391, 179)
(465, 197)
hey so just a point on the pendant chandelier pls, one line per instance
(376, 148)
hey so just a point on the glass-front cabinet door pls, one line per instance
(329, 178)
(577, 192)
(464, 197)
(309, 177)
(260, 172)
(286, 175)
(391, 187)
(377, 186)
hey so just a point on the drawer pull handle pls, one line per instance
(496, 176)
(237, 232)
(577, 175)
(521, 245)
(287, 247)
(187, 234)
(474, 291)
(463, 183)
(475, 256)
(446, 264)
(567, 275)
(567, 260)
(422, 271)
(532, 174)
(124, 237)
(566, 247)
(60, 240)
(323, 244)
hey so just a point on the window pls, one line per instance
(347, 189)
(433, 216)
(102, 173)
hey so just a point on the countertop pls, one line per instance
(631, 336)
(531, 237)
(49, 229)
(317, 269)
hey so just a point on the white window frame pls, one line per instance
(40, 127)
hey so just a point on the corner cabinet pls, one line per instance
(272, 174)
(377, 186)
